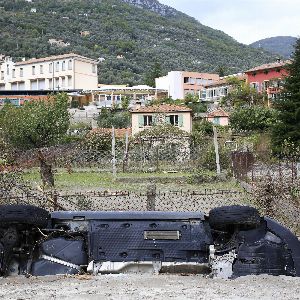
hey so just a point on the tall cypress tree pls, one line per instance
(286, 132)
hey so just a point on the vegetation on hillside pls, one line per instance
(128, 39)
(280, 45)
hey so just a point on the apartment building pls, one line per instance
(180, 83)
(61, 72)
(268, 77)
(215, 91)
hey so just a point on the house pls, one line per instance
(62, 72)
(180, 83)
(215, 91)
(148, 116)
(111, 95)
(268, 77)
(85, 33)
(218, 117)
(58, 43)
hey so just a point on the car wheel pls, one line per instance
(234, 215)
(23, 214)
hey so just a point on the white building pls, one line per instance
(61, 72)
(180, 83)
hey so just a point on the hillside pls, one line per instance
(129, 36)
(281, 45)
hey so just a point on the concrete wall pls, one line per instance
(85, 76)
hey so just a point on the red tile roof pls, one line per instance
(273, 65)
(55, 57)
(160, 108)
(218, 113)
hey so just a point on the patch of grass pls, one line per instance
(89, 179)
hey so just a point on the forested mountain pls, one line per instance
(129, 36)
(281, 45)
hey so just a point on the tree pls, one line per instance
(35, 125)
(242, 94)
(155, 72)
(287, 129)
(108, 118)
(254, 118)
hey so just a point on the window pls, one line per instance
(21, 72)
(41, 69)
(2, 75)
(216, 120)
(94, 68)
(266, 84)
(57, 67)
(192, 80)
(33, 70)
(69, 81)
(50, 67)
(7, 69)
(56, 83)
(70, 64)
(63, 66)
(148, 121)
(186, 79)
(13, 73)
(174, 120)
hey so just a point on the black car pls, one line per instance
(232, 241)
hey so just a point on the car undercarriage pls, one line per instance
(230, 242)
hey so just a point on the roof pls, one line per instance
(224, 81)
(272, 65)
(217, 113)
(54, 57)
(160, 108)
(137, 88)
(119, 132)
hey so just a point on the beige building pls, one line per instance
(148, 116)
(61, 72)
(180, 83)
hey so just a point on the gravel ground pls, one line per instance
(146, 286)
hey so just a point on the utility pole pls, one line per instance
(217, 150)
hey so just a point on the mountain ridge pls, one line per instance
(128, 37)
(280, 45)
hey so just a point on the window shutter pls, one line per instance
(180, 120)
(141, 121)
(168, 120)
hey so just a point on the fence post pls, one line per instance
(125, 160)
(217, 150)
(151, 194)
(113, 153)
(55, 198)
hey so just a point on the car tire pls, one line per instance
(234, 215)
(23, 214)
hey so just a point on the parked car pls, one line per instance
(231, 241)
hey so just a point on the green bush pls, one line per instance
(255, 118)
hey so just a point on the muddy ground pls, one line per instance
(146, 286)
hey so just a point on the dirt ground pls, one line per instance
(146, 286)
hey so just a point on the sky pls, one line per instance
(246, 21)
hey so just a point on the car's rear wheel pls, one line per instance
(224, 216)
(23, 214)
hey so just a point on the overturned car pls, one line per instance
(232, 241)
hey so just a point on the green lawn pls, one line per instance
(83, 179)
